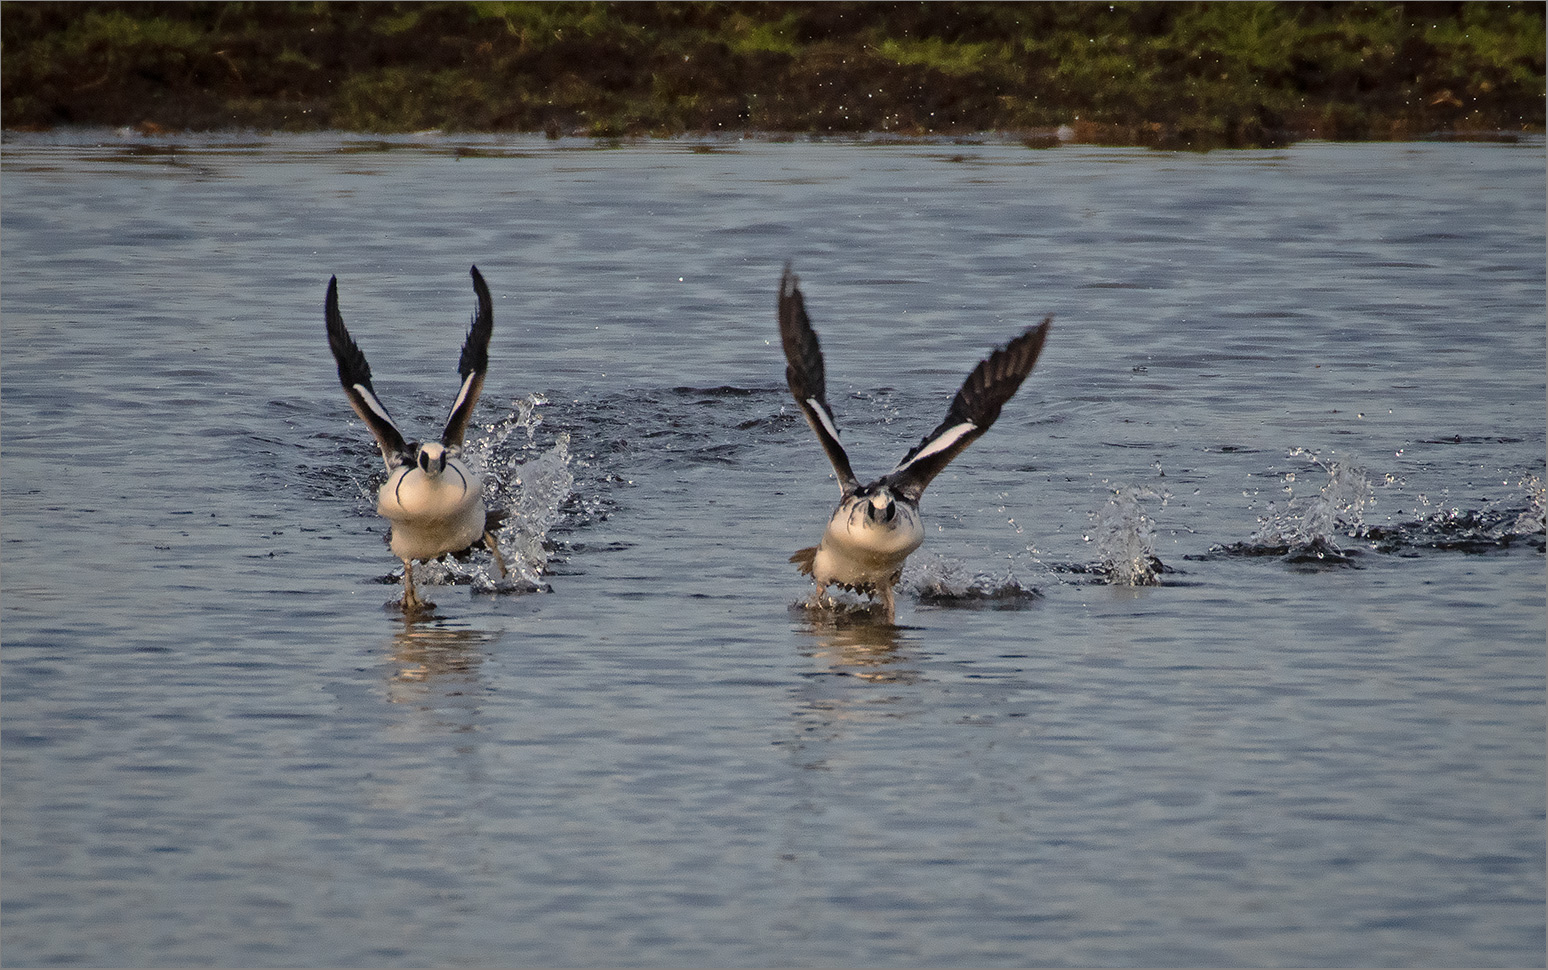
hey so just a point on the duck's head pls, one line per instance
(431, 458)
(880, 505)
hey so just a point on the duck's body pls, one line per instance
(863, 549)
(877, 526)
(433, 500)
(432, 514)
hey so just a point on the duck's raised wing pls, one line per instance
(972, 411)
(806, 375)
(355, 375)
(472, 365)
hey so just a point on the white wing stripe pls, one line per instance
(950, 437)
(462, 394)
(822, 415)
(373, 403)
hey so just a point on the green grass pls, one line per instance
(1197, 74)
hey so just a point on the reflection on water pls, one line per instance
(422, 652)
(864, 669)
(854, 642)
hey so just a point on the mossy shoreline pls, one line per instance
(1164, 74)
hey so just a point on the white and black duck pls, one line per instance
(877, 526)
(433, 500)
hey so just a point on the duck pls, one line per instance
(432, 499)
(877, 526)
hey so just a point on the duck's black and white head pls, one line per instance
(431, 458)
(879, 503)
(874, 520)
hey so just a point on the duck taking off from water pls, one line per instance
(434, 502)
(877, 526)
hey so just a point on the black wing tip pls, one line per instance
(1029, 346)
(1031, 334)
(789, 282)
(485, 312)
(790, 290)
(806, 372)
(347, 355)
(475, 349)
(1017, 357)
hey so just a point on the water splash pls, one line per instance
(1518, 517)
(525, 482)
(1125, 535)
(942, 581)
(1533, 521)
(544, 484)
(1308, 528)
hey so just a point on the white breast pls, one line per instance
(855, 551)
(431, 515)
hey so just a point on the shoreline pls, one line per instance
(1167, 75)
(476, 142)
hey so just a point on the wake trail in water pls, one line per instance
(941, 581)
(1329, 527)
(1517, 518)
(1309, 528)
(1124, 534)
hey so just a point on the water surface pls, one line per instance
(1309, 382)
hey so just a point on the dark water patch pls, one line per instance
(1458, 439)
(1476, 531)
(1006, 597)
(1315, 553)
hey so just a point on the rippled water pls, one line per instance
(1226, 646)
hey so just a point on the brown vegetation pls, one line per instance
(1148, 73)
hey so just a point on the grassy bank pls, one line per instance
(1146, 73)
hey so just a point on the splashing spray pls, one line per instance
(530, 489)
(1126, 538)
(1307, 528)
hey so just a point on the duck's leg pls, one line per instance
(494, 547)
(888, 603)
(815, 603)
(411, 600)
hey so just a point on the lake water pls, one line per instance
(1309, 381)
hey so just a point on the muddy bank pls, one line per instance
(1186, 74)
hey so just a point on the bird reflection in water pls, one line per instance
(852, 643)
(424, 652)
